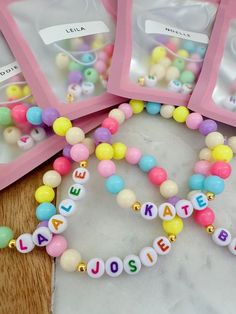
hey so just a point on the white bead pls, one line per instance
(159, 71)
(149, 211)
(168, 189)
(184, 208)
(148, 256)
(89, 143)
(162, 245)
(150, 80)
(88, 88)
(38, 134)
(175, 86)
(70, 260)
(24, 243)
(25, 142)
(187, 89)
(95, 268)
(74, 136)
(80, 175)
(172, 73)
(57, 224)
(114, 266)
(221, 237)
(126, 198)
(132, 264)
(205, 154)
(67, 207)
(167, 111)
(213, 139)
(166, 211)
(52, 178)
(62, 60)
(11, 135)
(230, 103)
(76, 192)
(75, 90)
(232, 143)
(118, 115)
(42, 236)
(232, 246)
(199, 201)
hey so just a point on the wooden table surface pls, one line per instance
(25, 279)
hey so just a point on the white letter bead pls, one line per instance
(184, 208)
(166, 211)
(88, 88)
(80, 175)
(114, 266)
(199, 201)
(67, 207)
(148, 256)
(175, 86)
(149, 211)
(232, 246)
(75, 90)
(132, 264)
(38, 134)
(150, 80)
(76, 192)
(24, 243)
(221, 237)
(162, 245)
(57, 224)
(25, 142)
(42, 236)
(95, 268)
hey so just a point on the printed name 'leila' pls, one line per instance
(74, 30)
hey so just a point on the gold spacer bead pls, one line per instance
(82, 267)
(210, 229)
(136, 206)
(141, 81)
(172, 238)
(69, 98)
(210, 196)
(12, 244)
(83, 164)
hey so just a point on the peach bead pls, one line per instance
(111, 124)
(11, 135)
(203, 167)
(79, 152)
(52, 178)
(159, 71)
(74, 135)
(89, 143)
(57, 246)
(118, 115)
(194, 120)
(133, 155)
(100, 66)
(205, 154)
(172, 73)
(157, 175)
(166, 62)
(204, 217)
(106, 168)
(221, 169)
(169, 189)
(127, 109)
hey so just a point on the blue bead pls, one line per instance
(34, 115)
(189, 45)
(201, 50)
(196, 182)
(87, 58)
(45, 211)
(153, 107)
(214, 184)
(147, 162)
(114, 184)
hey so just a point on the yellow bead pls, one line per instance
(158, 53)
(97, 44)
(180, 114)
(137, 106)
(104, 151)
(44, 194)
(174, 226)
(183, 53)
(61, 126)
(222, 153)
(26, 91)
(119, 150)
(14, 92)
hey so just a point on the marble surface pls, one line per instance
(196, 277)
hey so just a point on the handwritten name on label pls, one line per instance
(56, 33)
(9, 71)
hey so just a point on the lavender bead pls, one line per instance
(43, 224)
(207, 126)
(75, 77)
(49, 115)
(66, 151)
(162, 39)
(173, 200)
(84, 47)
(102, 135)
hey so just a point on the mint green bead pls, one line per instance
(6, 235)
(179, 64)
(75, 66)
(91, 75)
(5, 116)
(187, 77)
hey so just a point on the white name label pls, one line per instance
(56, 33)
(9, 71)
(153, 27)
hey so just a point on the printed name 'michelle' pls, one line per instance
(177, 32)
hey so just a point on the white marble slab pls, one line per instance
(196, 277)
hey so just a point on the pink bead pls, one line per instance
(193, 67)
(18, 113)
(111, 124)
(221, 169)
(133, 155)
(196, 56)
(157, 175)
(172, 47)
(79, 152)
(57, 246)
(194, 120)
(106, 168)
(62, 165)
(204, 217)
(109, 50)
(100, 66)
(126, 108)
(203, 167)
(233, 87)
(102, 55)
